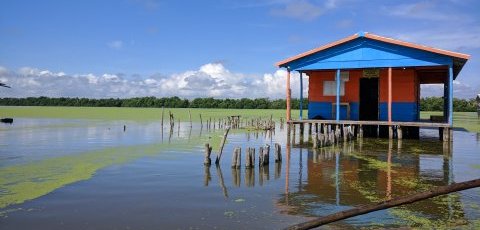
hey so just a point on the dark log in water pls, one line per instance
(7, 120)
(442, 190)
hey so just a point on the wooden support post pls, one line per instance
(301, 132)
(390, 95)
(309, 129)
(390, 132)
(289, 94)
(278, 153)
(289, 129)
(360, 131)
(201, 121)
(208, 151)
(399, 133)
(294, 130)
(450, 134)
(445, 134)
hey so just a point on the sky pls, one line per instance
(223, 48)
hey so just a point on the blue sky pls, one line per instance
(206, 48)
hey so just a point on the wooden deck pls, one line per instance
(394, 129)
(420, 124)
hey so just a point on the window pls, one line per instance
(330, 87)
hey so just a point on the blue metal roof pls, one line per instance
(364, 52)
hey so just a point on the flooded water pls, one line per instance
(87, 174)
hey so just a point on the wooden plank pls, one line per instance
(360, 210)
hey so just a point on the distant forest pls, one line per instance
(426, 104)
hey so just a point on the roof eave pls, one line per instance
(312, 51)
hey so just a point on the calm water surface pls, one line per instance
(87, 174)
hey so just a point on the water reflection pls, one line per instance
(366, 171)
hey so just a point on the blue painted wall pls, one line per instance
(324, 109)
(401, 111)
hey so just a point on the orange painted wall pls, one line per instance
(404, 85)
(352, 86)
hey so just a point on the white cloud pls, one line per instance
(303, 9)
(460, 90)
(210, 80)
(437, 37)
(117, 44)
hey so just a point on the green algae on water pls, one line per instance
(20, 183)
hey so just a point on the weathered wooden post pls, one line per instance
(217, 160)
(399, 132)
(208, 151)
(236, 158)
(390, 132)
(248, 158)
(260, 157)
(337, 134)
(201, 121)
(360, 131)
(124, 128)
(278, 153)
(315, 140)
(266, 155)
(294, 130)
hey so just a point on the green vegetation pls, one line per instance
(23, 182)
(459, 105)
(466, 120)
(153, 102)
(137, 114)
(426, 104)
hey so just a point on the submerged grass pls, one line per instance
(23, 182)
(465, 120)
(136, 114)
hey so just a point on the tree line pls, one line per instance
(153, 102)
(459, 105)
(426, 104)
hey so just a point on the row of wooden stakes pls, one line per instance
(263, 156)
(330, 136)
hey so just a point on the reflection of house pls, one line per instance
(351, 177)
